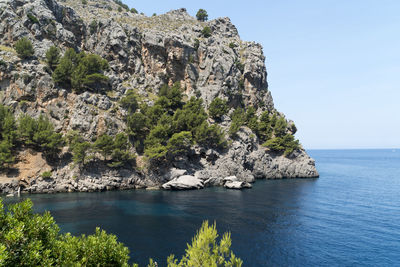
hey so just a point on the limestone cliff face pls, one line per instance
(143, 53)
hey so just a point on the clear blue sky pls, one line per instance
(333, 65)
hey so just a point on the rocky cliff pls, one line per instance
(143, 53)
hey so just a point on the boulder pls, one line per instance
(183, 183)
(237, 185)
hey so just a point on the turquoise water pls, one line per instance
(350, 216)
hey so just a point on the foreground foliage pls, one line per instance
(29, 239)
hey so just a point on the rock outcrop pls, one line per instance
(144, 53)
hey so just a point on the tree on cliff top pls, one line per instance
(202, 15)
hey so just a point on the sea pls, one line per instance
(350, 216)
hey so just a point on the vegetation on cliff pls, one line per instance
(80, 71)
(169, 127)
(29, 239)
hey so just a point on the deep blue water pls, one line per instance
(350, 216)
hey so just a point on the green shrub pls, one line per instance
(121, 5)
(84, 2)
(46, 175)
(205, 250)
(120, 154)
(280, 127)
(7, 125)
(93, 26)
(129, 101)
(89, 72)
(81, 71)
(105, 145)
(232, 45)
(238, 118)
(210, 136)
(32, 18)
(173, 95)
(134, 11)
(24, 48)
(239, 65)
(202, 15)
(179, 143)
(62, 74)
(218, 108)
(80, 151)
(119, 9)
(206, 32)
(53, 57)
(39, 133)
(138, 128)
(6, 154)
(196, 44)
(286, 144)
(29, 239)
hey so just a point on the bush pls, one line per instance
(202, 15)
(7, 137)
(129, 101)
(173, 95)
(7, 125)
(81, 71)
(205, 251)
(28, 239)
(238, 118)
(119, 9)
(206, 32)
(286, 144)
(218, 108)
(32, 18)
(196, 44)
(52, 57)
(80, 151)
(179, 143)
(280, 127)
(134, 11)
(46, 175)
(24, 48)
(210, 136)
(120, 154)
(121, 5)
(89, 72)
(105, 145)
(93, 26)
(6, 154)
(62, 74)
(138, 128)
(84, 2)
(40, 134)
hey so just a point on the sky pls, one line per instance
(333, 65)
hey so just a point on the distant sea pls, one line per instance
(350, 216)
